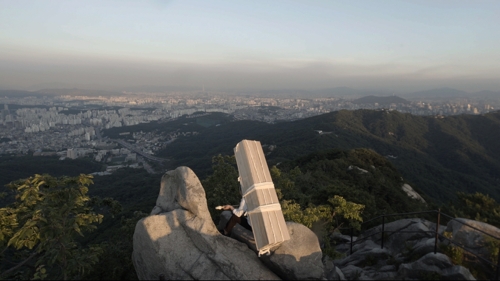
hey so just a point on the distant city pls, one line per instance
(69, 126)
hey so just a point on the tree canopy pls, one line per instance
(39, 231)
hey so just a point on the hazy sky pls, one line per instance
(397, 45)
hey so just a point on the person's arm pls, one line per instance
(227, 208)
(241, 209)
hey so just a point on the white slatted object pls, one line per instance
(264, 209)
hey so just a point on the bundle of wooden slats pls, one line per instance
(264, 209)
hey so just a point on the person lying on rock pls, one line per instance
(239, 216)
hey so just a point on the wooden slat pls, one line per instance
(252, 164)
(268, 226)
(261, 197)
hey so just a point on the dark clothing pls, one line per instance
(234, 220)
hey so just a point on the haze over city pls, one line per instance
(400, 46)
(359, 137)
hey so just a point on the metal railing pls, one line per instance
(435, 233)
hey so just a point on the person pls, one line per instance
(239, 216)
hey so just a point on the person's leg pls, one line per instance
(231, 223)
(245, 224)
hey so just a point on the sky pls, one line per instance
(393, 45)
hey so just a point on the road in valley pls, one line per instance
(138, 151)
(146, 165)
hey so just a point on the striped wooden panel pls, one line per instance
(269, 228)
(252, 165)
(261, 197)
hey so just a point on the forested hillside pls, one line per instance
(359, 175)
(439, 155)
(326, 190)
(13, 168)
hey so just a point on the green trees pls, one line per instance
(222, 186)
(39, 231)
(360, 175)
(346, 210)
(476, 206)
(335, 212)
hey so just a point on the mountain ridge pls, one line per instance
(439, 156)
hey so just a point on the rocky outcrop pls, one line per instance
(404, 234)
(298, 258)
(471, 238)
(332, 272)
(476, 238)
(408, 253)
(412, 193)
(180, 241)
(434, 266)
(357, 169)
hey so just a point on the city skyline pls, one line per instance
(401, 46)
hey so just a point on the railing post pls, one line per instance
(351, 243)
(498, 267)
(437, 231)
(383, 227)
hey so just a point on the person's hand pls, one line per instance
(228, 207)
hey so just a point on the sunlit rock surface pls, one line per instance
(180, 241)
(412, 193)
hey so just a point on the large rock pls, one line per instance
(433, 266)
(472, 239)
(332, 272)
(180, 241)
(298, 258)
(408, 253)
(181, 188)
(366, 253)
(404, 233)
(369, 262)
(412, 193)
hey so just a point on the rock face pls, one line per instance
(412, 193)
(433, 266)
(468, 234)
(406, 255)
(180, 241)
(298, 258)
(469, 237)
(406, 233)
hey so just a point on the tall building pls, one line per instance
(71, 153)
